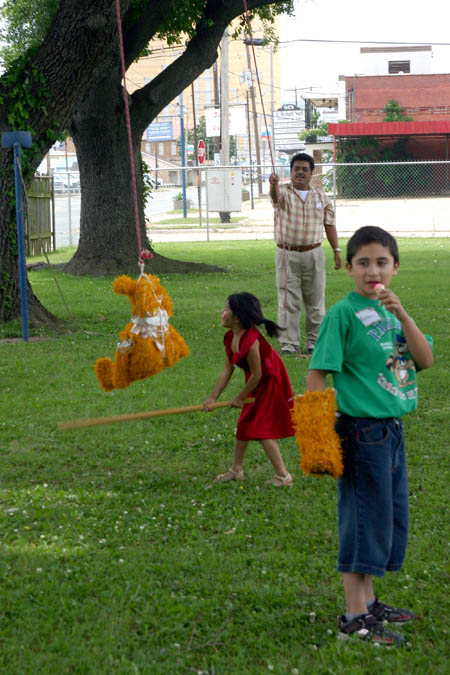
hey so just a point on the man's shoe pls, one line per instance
(394, 615)
(288, 350)
(366, 627)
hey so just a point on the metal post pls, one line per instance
(199, 184)
(334, 188)
(250, 153)
(68, 196)
(207, 204)
(16, 139)
(183, 156)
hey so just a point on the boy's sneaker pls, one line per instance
(390, 614)
(366, 627)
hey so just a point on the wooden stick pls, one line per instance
(96, 421)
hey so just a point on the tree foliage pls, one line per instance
(393, 112)
(74, 82)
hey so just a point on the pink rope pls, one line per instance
(143, 253)
(249, 29)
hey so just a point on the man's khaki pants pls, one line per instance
(300, 278)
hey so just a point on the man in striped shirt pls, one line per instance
(301, 215)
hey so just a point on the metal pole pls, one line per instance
(255, 125)
(69, 196)
(334, 188)
(207, 204)
(183, 156)
(250, 154)
(199, 187)
(21, 243)
(272, 104)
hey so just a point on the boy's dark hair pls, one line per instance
(303, 157)
(248, 310)
(371, 235)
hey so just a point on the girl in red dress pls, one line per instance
(266, 379)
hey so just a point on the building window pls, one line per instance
(173, 149)
(161, 148)
(399, 66)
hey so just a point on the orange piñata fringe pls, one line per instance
(313, 417)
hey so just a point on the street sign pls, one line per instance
(159, 131)
(201, 151)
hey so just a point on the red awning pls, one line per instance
(425, 128)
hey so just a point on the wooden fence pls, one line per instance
(39, 225)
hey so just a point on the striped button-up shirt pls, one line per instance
(302, 222)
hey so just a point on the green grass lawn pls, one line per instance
(116, 553)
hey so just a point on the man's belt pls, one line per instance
(299, 249)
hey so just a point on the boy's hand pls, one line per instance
(392, 303)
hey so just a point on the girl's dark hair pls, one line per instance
(370, 234)
(248, 310)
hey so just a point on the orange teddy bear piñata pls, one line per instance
(148, 343)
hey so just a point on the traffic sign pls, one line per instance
(201, 151)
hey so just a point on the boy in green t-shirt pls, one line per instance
(372, 347)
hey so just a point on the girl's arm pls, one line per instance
(315, 380)
(221, 383)
(254, 363)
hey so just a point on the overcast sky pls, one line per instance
(319, 64)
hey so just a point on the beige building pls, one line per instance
(205, 94)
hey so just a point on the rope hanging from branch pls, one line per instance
(142, 252)
(271, 150)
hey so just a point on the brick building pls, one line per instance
(405, 75)
(424, 97)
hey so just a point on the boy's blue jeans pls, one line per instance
(373, 505)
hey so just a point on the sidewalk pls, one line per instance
(402, 217)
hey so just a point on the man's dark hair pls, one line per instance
(303, 157)
(247, 309)
(371, 235)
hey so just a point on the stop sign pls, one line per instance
(201, 151)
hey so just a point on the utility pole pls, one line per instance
(224, 122)
(250, 150)
(272, 104)
(199, 188)
(224, 103)
(216, 103)
(255, 121)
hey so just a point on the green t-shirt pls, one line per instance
(363, 346)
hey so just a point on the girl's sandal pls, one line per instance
(229, 475)
(282, 481)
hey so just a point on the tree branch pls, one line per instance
(200, 54)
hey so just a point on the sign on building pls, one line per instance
(237, 121)
(159, 131)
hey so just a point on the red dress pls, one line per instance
(269, 416)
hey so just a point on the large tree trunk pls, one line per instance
(108, 239)
(55, 78)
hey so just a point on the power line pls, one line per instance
(367, 42)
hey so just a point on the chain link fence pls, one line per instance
(408, 198)
(382, 180)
